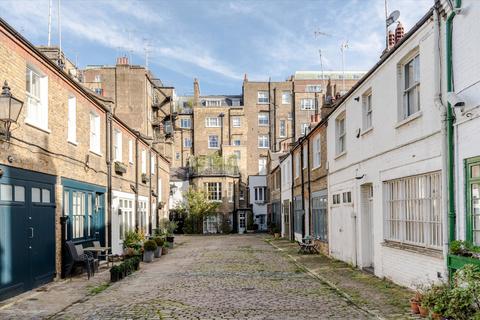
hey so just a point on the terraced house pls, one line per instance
(63, 152)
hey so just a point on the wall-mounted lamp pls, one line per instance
(10, 108)
(356, 99)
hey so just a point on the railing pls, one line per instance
(225, 170)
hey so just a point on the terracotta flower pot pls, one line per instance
(414, 306)
(423, 311)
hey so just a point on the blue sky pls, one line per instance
(216, 41)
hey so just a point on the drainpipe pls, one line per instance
(292, 199)
(439, 104)
(136, 180)
(109, 141)
(157, 215)
(450, 118)
(274, 120)
(302, 181)
(309, 191)
(150, 194)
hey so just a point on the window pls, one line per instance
(237, 154)
(262, 97)
(305, 156)
(347, 197)
(367, 110)
(214, 190)
(319, 215)
(298, 215)
(340, 134)
(305, 127)
(213, 103)
(72, 119)
(413, 210)
(187, 142)
(235, 102)
(78, 214)
(262, 165)
(117, 145)
(307, 104)
(411, 93)
(37, 99)
(313, 88)
(160, 188)
(130, 151)
(177, 156)
(286, 97)
(94, 133)
(152, 165)
(472, 186)
(263, 119)
(230, 192)
(260, 193)
(263, 141)
(144, 161)
(297, 165)
(290, 116)
(241, 195)
(127, 219)
(237, 142)
(185, 123)
(317, 156)
(98, 78)
(283, 129)
(336, 198)
(213, 142)
(236, 122)
(212, 122)
(143, 216)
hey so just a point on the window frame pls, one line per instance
(261, 140)
(410, 87)
(213, 195)
(340, 136)
(367, 111)
(469, 182)
(36, 105)
(262, 165)
(210, 146)
(317, 152)
(95, 133)
(236, 122)
(265, 99)
(282, 128)
(263, 119)
(117, 145)
(288, 94)
(304, 106)
(209, 124)
(72, 120)
(188, 121)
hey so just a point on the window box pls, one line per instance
(120, 167)
(145, 178)
(457, 262)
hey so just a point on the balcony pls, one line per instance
(214, 171)
(157, 105)
(213, 165)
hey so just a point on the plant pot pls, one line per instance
(276, 235)
(170, 239)
(158, 252)
(164, 250)
(423, 311)
(114, 276)
(170, 245)
(148, 256)
(414, 306)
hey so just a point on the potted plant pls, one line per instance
(159, 241)
(149, 250)
(276, 232)
(165, 248)
(136, 261)
(114, 274)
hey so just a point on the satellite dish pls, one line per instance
(393, 17)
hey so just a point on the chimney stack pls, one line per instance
(245, 78)
(122, 61)
(399, 32)
(391, 39)
(196, 92)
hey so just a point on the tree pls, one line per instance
(196, 207)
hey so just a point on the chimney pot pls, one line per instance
(399, 32)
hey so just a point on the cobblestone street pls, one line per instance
(216, 277)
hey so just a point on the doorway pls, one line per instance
(367, 227)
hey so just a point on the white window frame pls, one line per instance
(187, 142)
(297, 165)
(282, 128)
(263, 141)
(72, 120)
(144, 162)
(236, 123)
(305, 156)
(185, 123)
(317, 152)
(340, 134)
(262, 97)
(214, 191)
(130, 151)
(411, 88)
(230, 192)
(413, 210)
(37, 102)
(286, 97)
(367, 110)
(212, 122)
(94, 133)
(262, 166)
(304, 128)
(307, 104)
(259, 194)
(213, 138)
(237, 142)
(152, 165)
(213, 102)
(313, 88)
(117, 145)
(263, 119)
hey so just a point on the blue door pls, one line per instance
(27, 230)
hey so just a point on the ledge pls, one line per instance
(414, 116)
(341, 154)
(96, 153)
(73, 142)
(414, 249)
(368, 130)
(34, 125)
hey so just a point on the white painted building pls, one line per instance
(385, 166)
(286, 193)
(177, 190)
(257, 186)
(466, 85)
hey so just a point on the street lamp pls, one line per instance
(10, 108)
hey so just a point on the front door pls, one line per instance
(242, 222)
(367, 226)
(286, 219)
(27, 231)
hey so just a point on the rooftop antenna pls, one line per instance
(49, 22)
(60, 62)
(389, 20)
(343, 47)
(317, 34)
(147, 50)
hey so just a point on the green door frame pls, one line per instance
(469, 181)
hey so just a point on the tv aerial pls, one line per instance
(392, 18)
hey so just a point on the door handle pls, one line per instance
(31, 233)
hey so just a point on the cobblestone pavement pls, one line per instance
(216, 277)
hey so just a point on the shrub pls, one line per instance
(150, 245)
(133, 240)
(159, 241)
